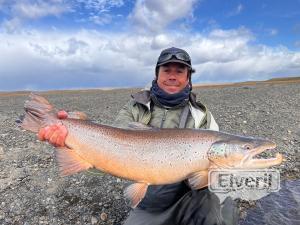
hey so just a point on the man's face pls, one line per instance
(172, 77)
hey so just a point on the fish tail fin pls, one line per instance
(38, 113)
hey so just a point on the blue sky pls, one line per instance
(66, 44)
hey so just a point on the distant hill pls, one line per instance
(285, 79)
(278, 80)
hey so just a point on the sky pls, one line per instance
(72, 44)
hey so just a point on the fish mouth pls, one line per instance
(250, 162)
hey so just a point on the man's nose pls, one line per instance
(172, 75)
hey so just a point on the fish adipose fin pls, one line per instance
(135, 193)
(198, 180)
(69, 162)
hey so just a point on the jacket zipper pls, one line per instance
(163, 118)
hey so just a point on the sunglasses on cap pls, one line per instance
(179, 55)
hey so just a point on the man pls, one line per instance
(168, 104)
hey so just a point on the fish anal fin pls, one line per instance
(135, 193)
(69, 162)
(198, 180)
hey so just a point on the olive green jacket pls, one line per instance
(140, 109)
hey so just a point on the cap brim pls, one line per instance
(175, 61)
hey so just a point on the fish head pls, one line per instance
(238, 152)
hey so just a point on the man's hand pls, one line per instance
(56, 133)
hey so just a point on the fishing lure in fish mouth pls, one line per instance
(145, 155)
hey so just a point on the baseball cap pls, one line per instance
(174, 55)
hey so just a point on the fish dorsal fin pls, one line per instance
(135, 193)
(69, 162)
(139, 126)
(198, 180)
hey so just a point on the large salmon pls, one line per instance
(147, 155)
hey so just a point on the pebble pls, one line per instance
(94, 220)
(1, 150)
(103, 216)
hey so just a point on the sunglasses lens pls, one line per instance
(164, 57)
(182, 56)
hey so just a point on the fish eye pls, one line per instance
(247, 146)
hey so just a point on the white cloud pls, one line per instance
(159, 41)
(156, 14)
(90, 58)
(67, 48)
(99, 10)
(21, 11)
(101, 5)
(101, 19)
(272, 31)
(38, 9)
(12, 25)
(239, 8)
(17, 12)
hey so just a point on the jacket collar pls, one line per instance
(143, 98)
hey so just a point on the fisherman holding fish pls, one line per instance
(170, 103)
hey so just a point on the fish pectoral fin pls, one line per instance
(135, 193)
(69, 162)
(198, 180)
(139, 126)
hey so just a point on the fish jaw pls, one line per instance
(253, 163)
(260, 149)
(264, 163)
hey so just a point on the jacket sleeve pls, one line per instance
(124, 116)
(212, 123)
(203, 120)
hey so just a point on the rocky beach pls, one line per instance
(32, 192)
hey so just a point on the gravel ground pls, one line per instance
(31, 192)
